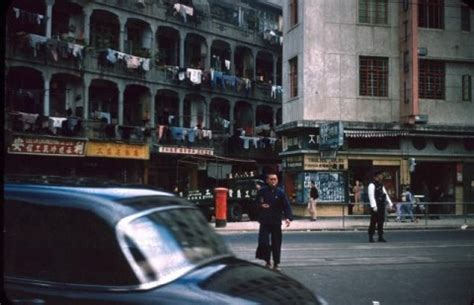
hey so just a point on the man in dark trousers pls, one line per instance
(377, 197)
(273, 203)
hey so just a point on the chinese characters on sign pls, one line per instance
(186, 151)
(43, 146)
(116, 150)
(316, 163)
(331, 136)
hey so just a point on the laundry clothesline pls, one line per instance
(132, 62)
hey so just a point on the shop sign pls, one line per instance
(315, 163)
(186, 150)
(293, 162)
(331, 135)
(46, 147)
(117, 150)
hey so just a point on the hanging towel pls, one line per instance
(246, 142)
(111, 56)
(194, 75)
(191, 134)
(146, 64)
(177, 133)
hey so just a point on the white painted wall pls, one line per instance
(328, 42)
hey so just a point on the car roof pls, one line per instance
(112, 203)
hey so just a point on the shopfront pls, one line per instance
(330, 177)
(43, 155)
(123, 162)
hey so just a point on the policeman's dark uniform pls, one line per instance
(379, 216)
(270, 222)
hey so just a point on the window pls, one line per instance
(466, 88)
(431, 79)
(373, 11)
(293, 77)
(373, 73)
(43, 243)
(431, 14)
(465, 18)
(293, 12)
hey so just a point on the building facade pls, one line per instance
(163, 92)
(375, 84)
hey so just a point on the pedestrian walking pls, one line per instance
(313, 198)
(378, 198)
(407, 205)
(273, 204)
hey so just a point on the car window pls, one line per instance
(167, 243)
(66, 245)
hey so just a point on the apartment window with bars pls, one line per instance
(431, 14)
(293, 77)
(467, 88)
(465, 18)
(373, 73)
(373, 11)
(431, 79)
(293, 12)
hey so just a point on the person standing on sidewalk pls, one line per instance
(313, 198)
(357, 190)
(377, 197)
(273, 203)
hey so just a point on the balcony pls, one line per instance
(74, 127)
(41, 50)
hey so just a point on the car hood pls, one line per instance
(234, 281)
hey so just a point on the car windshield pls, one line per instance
(164, 243)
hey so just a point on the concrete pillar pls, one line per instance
(153, 91)
(232, 61)
(46, 104)
(181, 49)
(181, 110)
(254, 111)
(87, 26)
(274, 114)
(153, 43)
(207, 114)
(231, 116)
(49, 17)
(207, 64)
(254, 64)
(121, 92)
(275, 61)
(85, 106)
(122, 34)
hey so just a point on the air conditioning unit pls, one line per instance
(420, 118)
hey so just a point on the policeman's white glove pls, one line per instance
(390, 206)
(374, 209)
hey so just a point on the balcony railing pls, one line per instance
(46, 51)
(35, 124)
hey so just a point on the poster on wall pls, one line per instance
(332, 186)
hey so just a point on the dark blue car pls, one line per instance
(73, 244)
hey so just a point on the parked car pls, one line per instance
(240, 199)
(66, 243)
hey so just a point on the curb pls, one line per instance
(246, 227)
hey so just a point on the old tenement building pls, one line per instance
(143, 91)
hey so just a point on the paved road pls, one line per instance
(413, 268)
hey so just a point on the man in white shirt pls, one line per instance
(378, 197)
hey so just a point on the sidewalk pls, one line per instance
(352, 223)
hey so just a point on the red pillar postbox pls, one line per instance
(221, 206)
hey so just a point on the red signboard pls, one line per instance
(47, 147)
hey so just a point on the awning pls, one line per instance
(374, 133)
